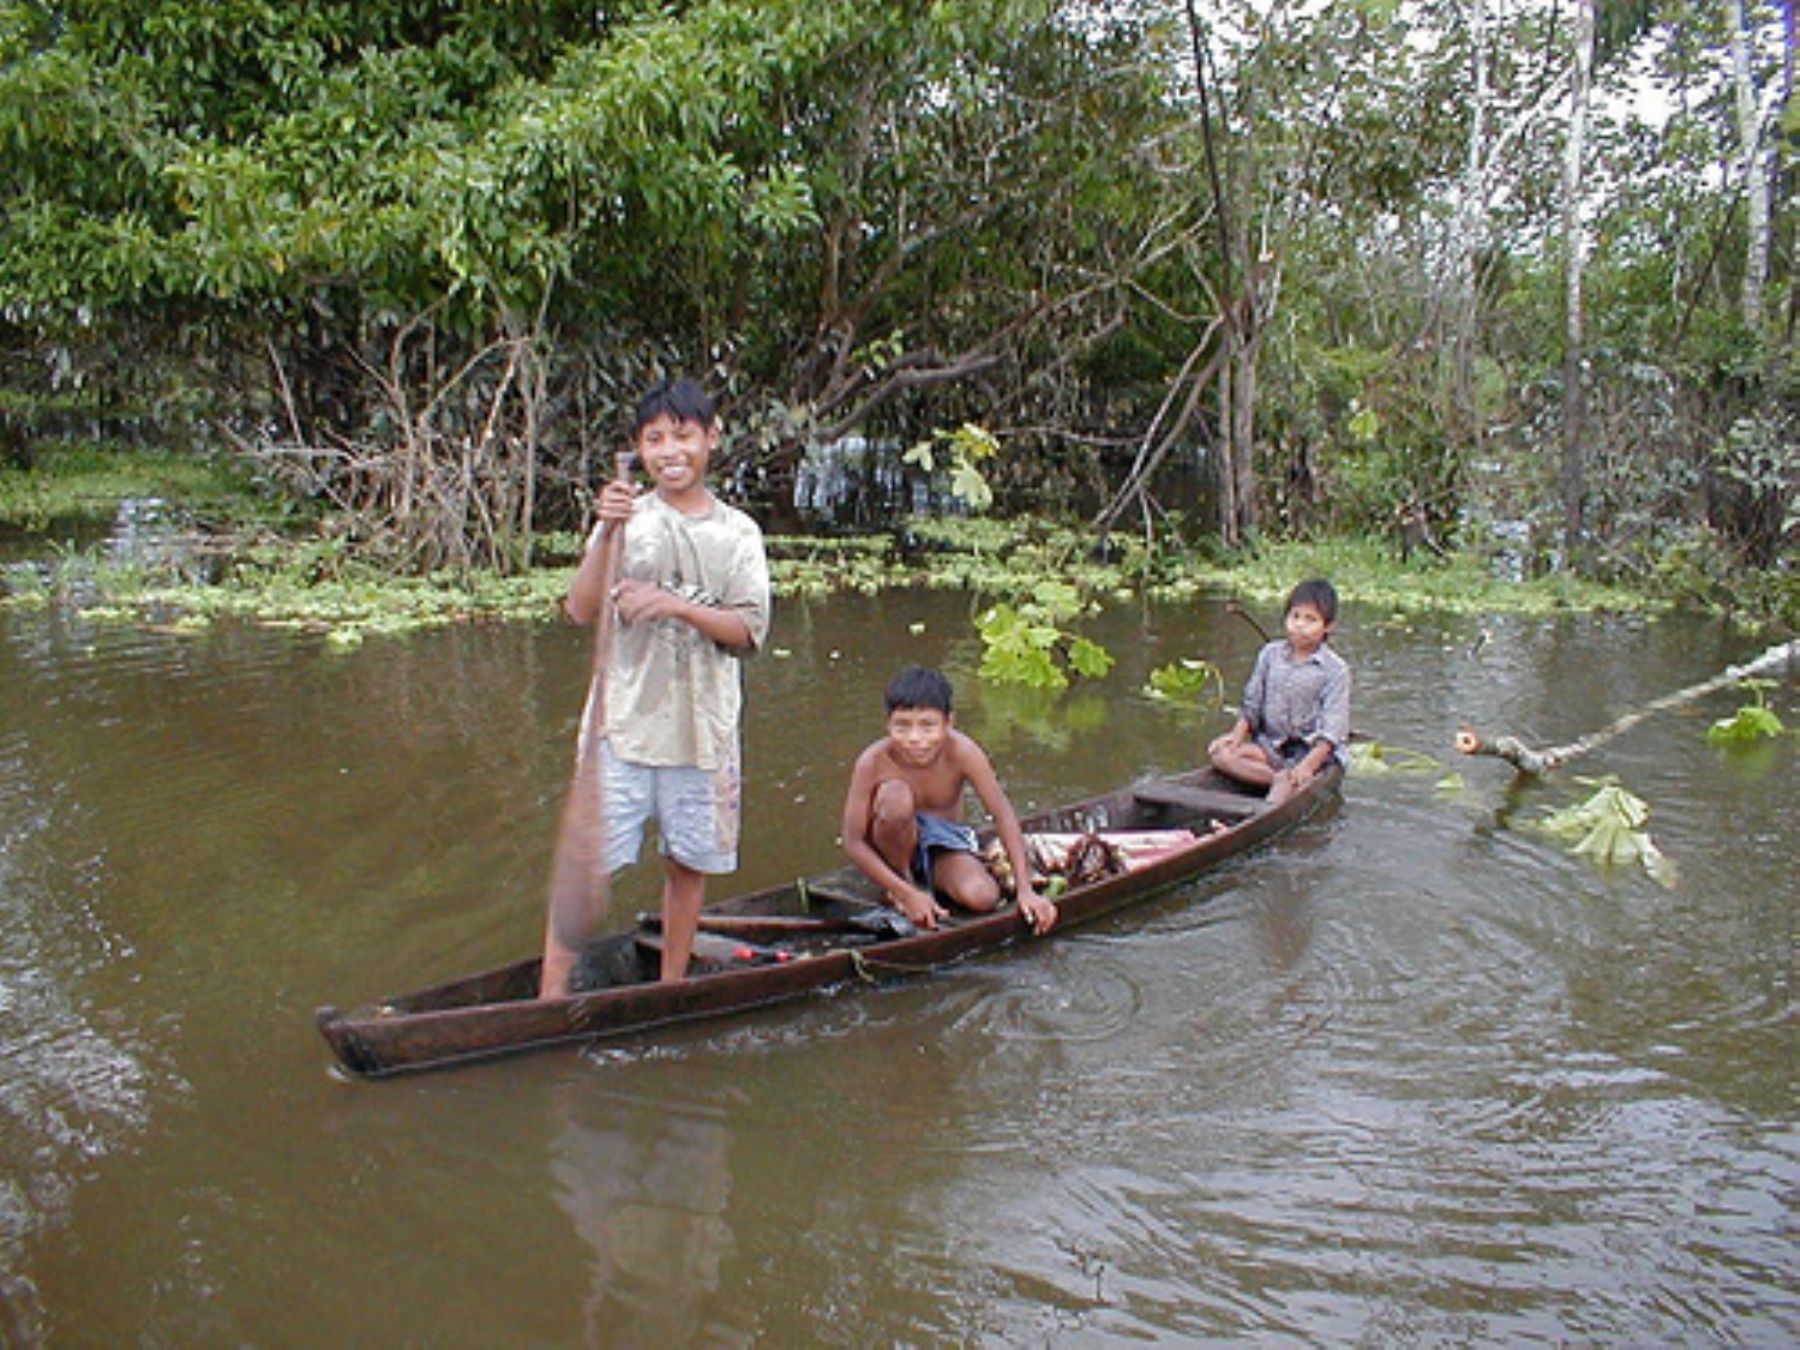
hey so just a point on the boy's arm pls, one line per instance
(582, 604)
(1243, 730)
(738, 623)
(978, 770)
(1256, 693)
(1334, 727)
(641, 601)
(1334, 711)
(914, 901)
(1308, 768)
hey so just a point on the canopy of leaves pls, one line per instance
(314, 222)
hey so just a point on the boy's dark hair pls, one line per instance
(1318, 593)
(919, 687)
(683, 399)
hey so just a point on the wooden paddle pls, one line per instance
(578, 875)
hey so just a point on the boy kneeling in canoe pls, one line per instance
(903, 821)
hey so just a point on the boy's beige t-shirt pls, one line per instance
(673, 695)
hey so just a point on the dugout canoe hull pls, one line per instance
(498, 1012)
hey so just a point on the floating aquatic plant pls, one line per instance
(1371, 758)
(1186, 681)
(1609, 827)
(1025, 641)
(1751, 723)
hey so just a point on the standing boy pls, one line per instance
(1296, 713)
(691, 600)
(903, 813)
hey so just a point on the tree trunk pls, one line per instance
(1472, 231)
(1228, 470)
(1238, 315)
(1754, 165)
(1782, 173)
(1574, 466)
(1240, 435)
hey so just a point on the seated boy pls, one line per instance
(1295, 717)
(903, 813)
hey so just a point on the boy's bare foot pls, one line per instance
(1281, 787)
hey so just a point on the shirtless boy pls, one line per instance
(903, 813)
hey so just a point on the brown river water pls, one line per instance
(1415, 1075)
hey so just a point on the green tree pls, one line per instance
(411, 258)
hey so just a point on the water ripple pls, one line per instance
(1080, 994)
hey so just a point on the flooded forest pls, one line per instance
(1052, 342)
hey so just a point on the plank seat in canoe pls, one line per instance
(1213, 802)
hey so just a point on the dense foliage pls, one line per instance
(409, 258)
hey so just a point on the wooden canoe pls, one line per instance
(768, 946)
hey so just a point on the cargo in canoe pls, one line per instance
(767, 946)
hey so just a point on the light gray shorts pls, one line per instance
(696, 812)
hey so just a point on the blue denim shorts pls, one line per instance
(935, 834)
(697, 812)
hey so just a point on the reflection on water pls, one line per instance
(858, 484)
(647, 1190)
(1415, 1074)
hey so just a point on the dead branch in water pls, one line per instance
(1538, 762)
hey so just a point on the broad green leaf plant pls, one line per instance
(1186, 682)
(1753, 722)
(1025, 642)
(963, 450)
(1609, 828)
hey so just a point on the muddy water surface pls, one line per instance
(1416, 1075)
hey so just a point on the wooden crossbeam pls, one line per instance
(1207, 801)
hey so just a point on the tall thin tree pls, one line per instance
(1574, 230)
(1756, 165)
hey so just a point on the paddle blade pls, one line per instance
(578, 877)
